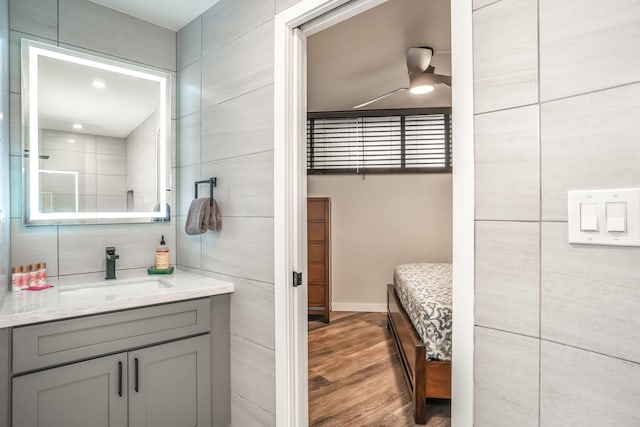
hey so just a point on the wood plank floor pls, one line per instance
(355, 378)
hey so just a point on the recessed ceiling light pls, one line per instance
(71, 140)
(98, 84)
(77, 126)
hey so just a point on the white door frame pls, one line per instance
(290, 200)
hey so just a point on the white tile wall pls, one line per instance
(245, 413)
(231, 138)
(226, 21)
(590, 295)
(580, 388)
(243, 125)
(242, 249)
(253, 373)
(587, 45)
(587, 300)
(590, 141)
(229, 72)
(189, 129)
(189, 43)
(242, 193)
(508, 276)
(505, 55)
(505, 379)
(507, 163)
(88, 25)
(189, 86)
(36, 17)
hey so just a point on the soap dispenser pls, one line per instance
(162, 256)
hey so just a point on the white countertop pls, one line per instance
(82, 299)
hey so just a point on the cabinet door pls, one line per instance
(170, 384)
(91, 393)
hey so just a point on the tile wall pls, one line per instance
(5, 237)
(75, 251)
(225, 130)
(557, 333)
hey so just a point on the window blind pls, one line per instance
(379, 142)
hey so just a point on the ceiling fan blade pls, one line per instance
(418, 59)
(440, 78)
(364, 104)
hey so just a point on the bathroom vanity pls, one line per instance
(137, 352)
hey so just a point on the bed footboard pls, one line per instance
(425, 378)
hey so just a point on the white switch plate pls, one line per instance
(630, 237)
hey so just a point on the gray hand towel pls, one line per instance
(215, 223)
(198, 217)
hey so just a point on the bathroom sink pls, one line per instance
(116, 289)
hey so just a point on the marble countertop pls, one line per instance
(82, 299)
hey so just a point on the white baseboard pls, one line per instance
(355, 306)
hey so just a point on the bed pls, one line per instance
(419, 318)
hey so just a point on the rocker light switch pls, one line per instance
(616, 216)
(588, 216)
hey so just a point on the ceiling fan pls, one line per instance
(422, 76)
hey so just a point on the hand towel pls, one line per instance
(215, 223)
(198, 217)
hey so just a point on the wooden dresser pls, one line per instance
(318, 247)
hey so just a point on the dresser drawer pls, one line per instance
(55, 343)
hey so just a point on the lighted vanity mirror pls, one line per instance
(95, 137)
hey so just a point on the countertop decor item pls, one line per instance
(153, 270)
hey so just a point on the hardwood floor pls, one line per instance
(355, 378)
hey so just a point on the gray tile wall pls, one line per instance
(78, 251)
(5, 211)
(557, 325)
(225, 129)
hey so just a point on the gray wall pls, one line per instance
(79, 250)
(225, 129)
(557, 331)
(5, 238)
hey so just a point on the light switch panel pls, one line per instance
(605, 217)
(616, 213)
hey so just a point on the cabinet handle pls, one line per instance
(136, 374)
(120, 379)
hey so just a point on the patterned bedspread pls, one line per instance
(424, 291)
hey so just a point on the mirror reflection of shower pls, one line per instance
(59, 191)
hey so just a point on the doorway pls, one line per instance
(290, 196)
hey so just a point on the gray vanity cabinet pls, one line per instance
(170, 384)
(160, 366)
(78, 395)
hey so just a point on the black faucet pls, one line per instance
(111, 262)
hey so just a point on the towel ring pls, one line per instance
(212, 183)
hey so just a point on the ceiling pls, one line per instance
(365, 56)
(171, 14)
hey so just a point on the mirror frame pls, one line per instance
(30, 52)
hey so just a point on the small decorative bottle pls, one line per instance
(16, 278)
(42, 273)
(33, 275)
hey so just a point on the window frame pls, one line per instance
(402, 113)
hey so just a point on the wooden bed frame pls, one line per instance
(425, 378)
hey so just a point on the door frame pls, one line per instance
(290, 193)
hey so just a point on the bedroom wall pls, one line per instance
(78, 250)
(225, 129)
(557, 331)
(380, 222)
